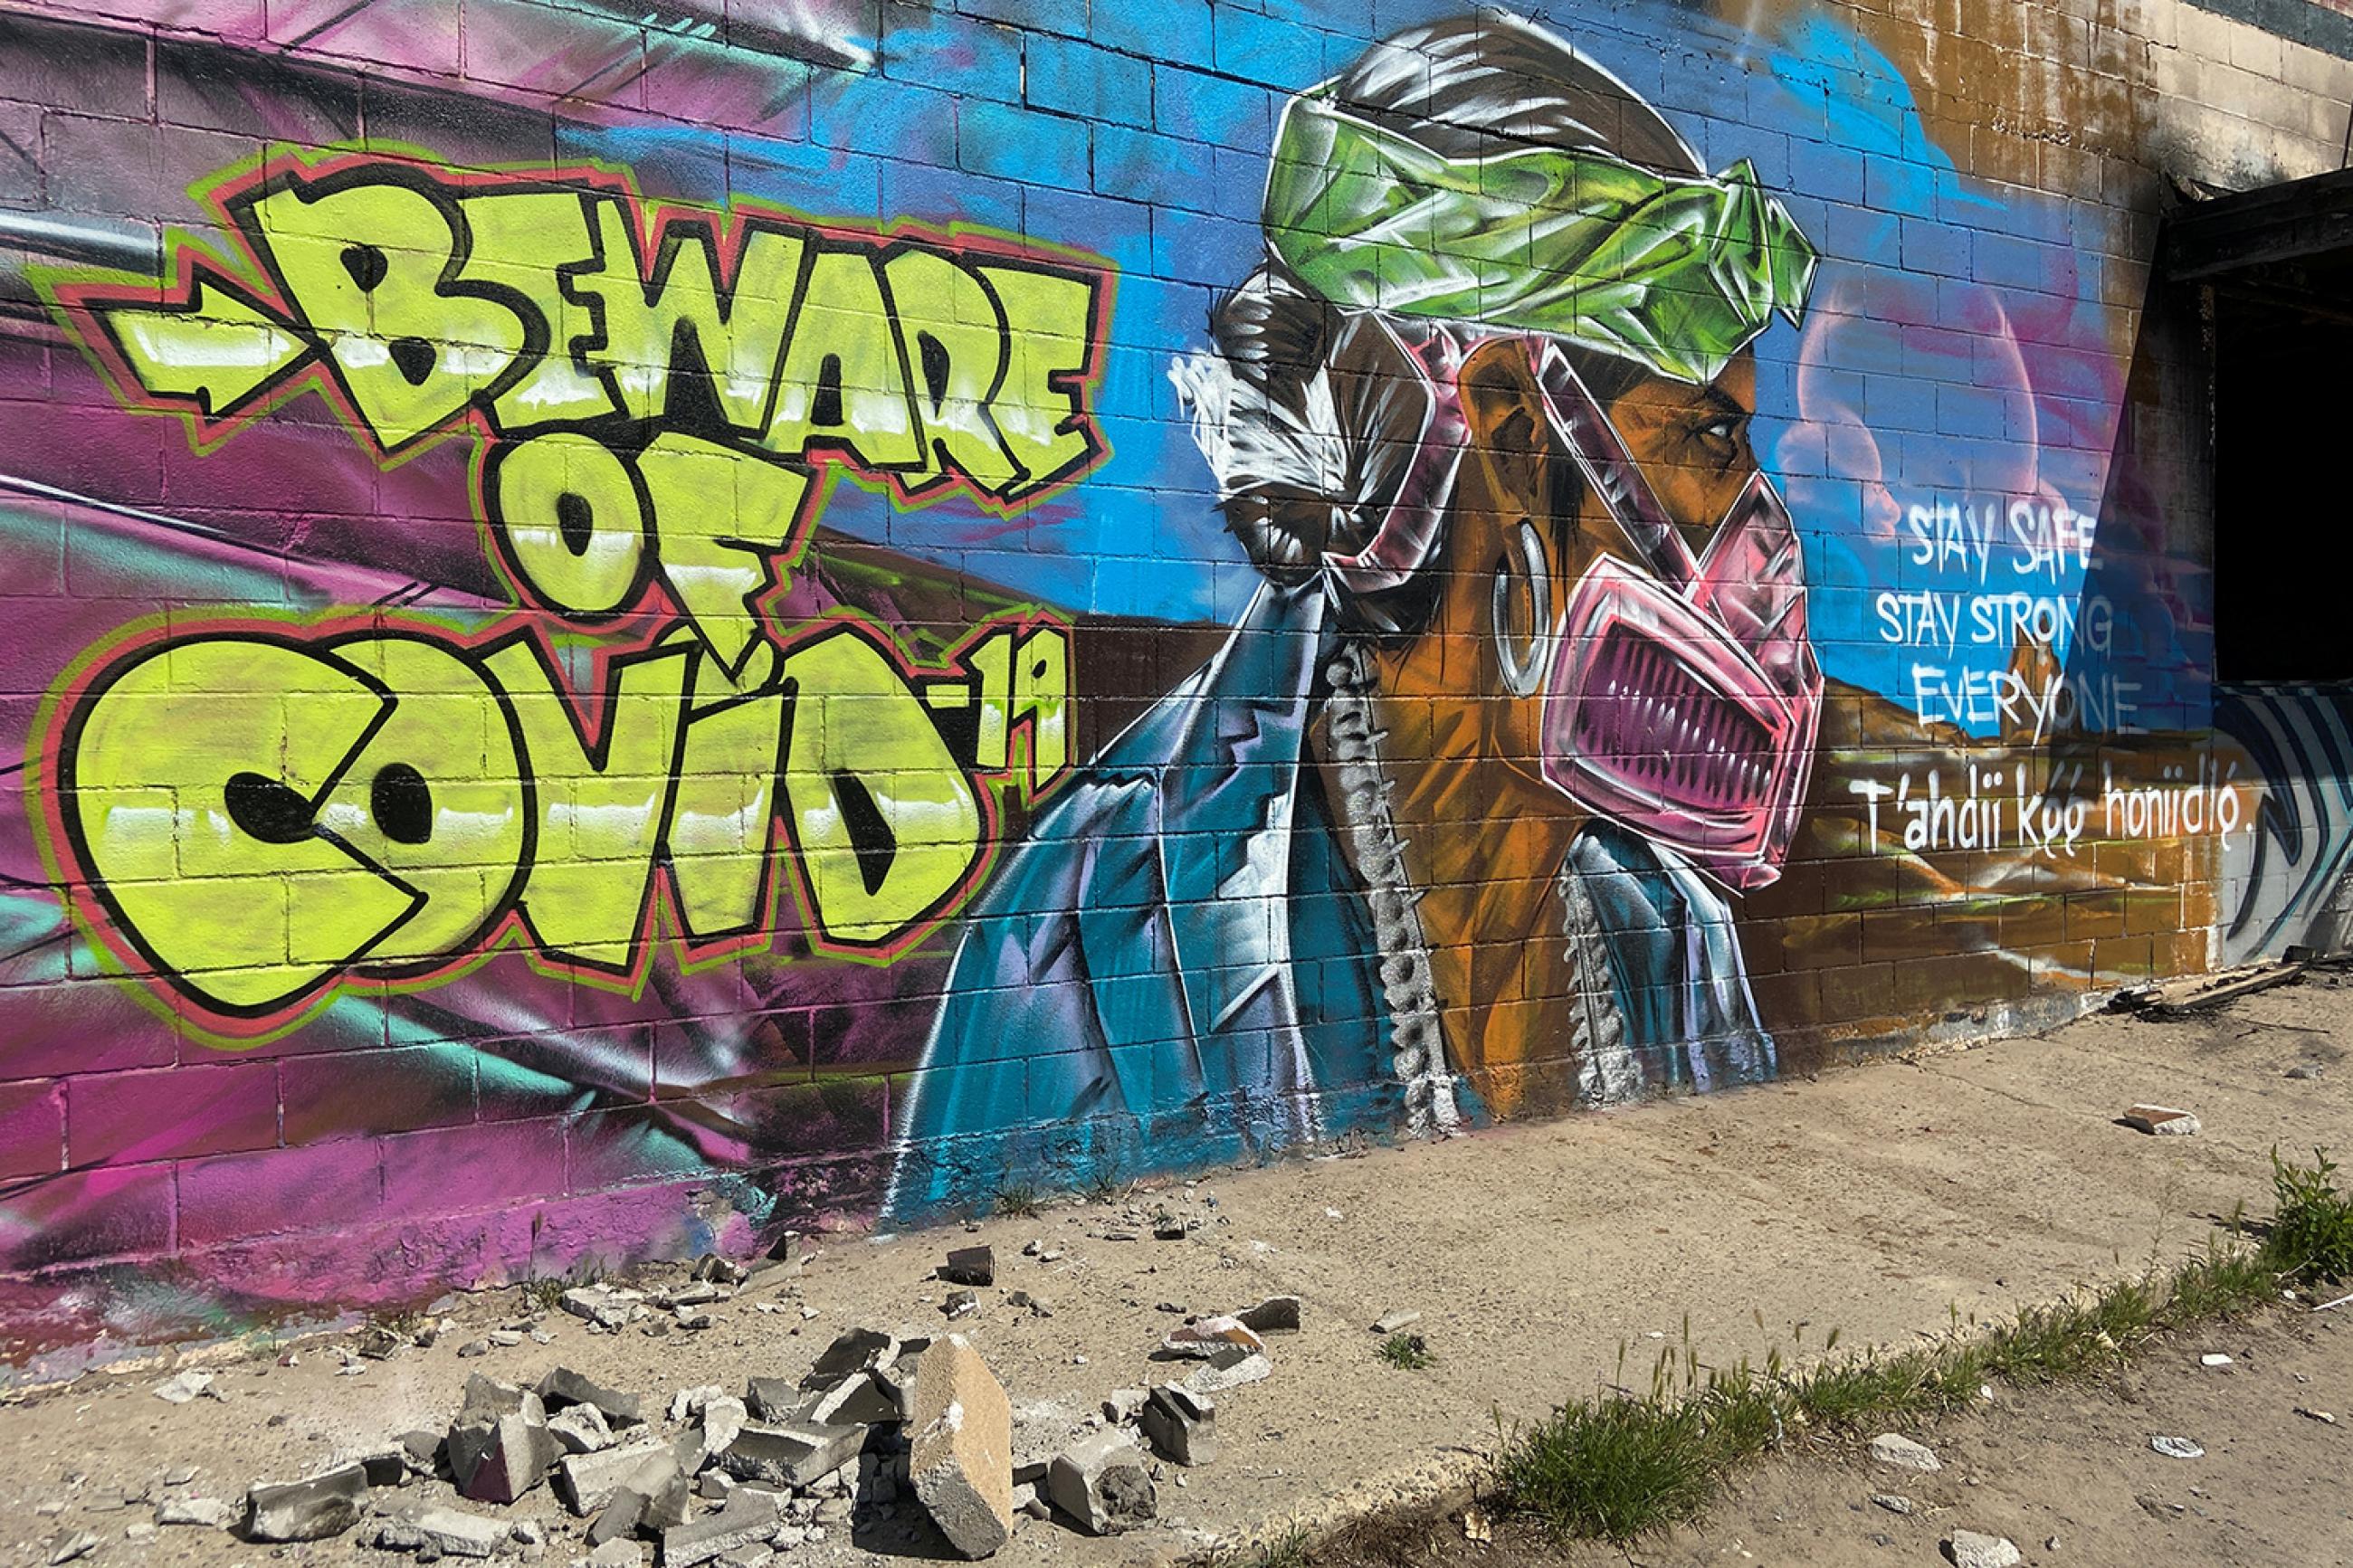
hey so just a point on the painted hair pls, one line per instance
(1311, 416)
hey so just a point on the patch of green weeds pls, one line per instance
(1407, 1353)
(545, 1295)
(1288, 1550)
(2311, 1237)
(1625, 1464)
(546, 1292)
(1016, 1200)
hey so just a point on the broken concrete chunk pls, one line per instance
(385, 1467)
(961, 1304)
(722, 1418)
(587, 1481)
(66, 1548)
(618, 1518)
(719, 1270)
(487, 1397)
(1124, 1404)
(1396, 1321)
(209, 1512)
(749, 1519)
(772, 1398)
(615, 1553)
(500, 1459)
(1901, 1453)
(859, 1350)
(1102, 1483)
(970, 1266)
(311, 1508)
(1182, 1424)
(581, 1429)
(379, 1344)
(669, 1505)
(1967, 1549)
(897, 1381)
(1205, 1336)
(181, 1387)
(791, 1453)
(688, 1403)
(1276, 1315)
(599, 1306)
(1229, 1369)
(960, 1458)
(2163, 1120)
(860, 1401)
(449, 1531)
(564, 1387)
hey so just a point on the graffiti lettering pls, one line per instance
(1997, 808)
(1978, 697)
(658, 395)
(2200, 797)
(659, 401)
(261, 812)
(1931, 617)
(2045, 539)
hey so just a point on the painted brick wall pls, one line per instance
(623, 629)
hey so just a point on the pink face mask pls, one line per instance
(1683, 701)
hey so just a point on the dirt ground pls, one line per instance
(2067, 1475)
(1882, 1200)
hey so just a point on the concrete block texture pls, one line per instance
(624, 640)
(960, 1454)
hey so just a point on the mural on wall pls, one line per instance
(2287, 880)
(659, 402)
(996, 603)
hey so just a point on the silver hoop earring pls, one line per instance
(1525, 667)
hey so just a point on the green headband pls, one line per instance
(1678, 273)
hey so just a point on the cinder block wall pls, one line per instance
(622, 632)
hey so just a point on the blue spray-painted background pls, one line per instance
(1980, 374)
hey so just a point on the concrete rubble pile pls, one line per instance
(901, 1446)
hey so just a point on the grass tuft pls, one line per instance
(1612, 1470)
(1622, 1466)
(1016, 1200)
(408, 1322)
(1287, 1551)
(1407, 1353)
(2311, 1237)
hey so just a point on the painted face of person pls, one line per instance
(1626, 598)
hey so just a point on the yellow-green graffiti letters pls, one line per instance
(258, 814)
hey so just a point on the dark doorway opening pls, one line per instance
(2278, 264)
